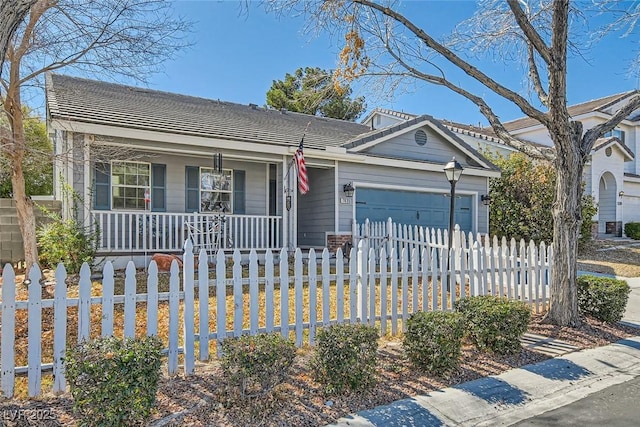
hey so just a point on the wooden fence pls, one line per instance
(293, 296)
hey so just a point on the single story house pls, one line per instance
(146, 164)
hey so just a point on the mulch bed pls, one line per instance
(204, 399)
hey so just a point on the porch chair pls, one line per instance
(208, 232)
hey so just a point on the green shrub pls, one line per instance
(522, 199)
(589, 209)
(346, 357)
(256, 364)
(604, 298)
(433, 340)
(632, 230)
(493, 323)
(68, 242)
(114, 381)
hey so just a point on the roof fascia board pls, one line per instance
(631, 178)
(148, 135)
(208, 143)
(430, 167)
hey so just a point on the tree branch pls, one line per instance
(530, 33)
(534, 75)
(484, 108)
(450, 56)
(597, 131)
(12, 13)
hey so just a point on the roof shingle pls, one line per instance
(90, 101)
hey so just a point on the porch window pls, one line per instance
(112, 184)
(130, 185)
(206, 191)
(216, 190)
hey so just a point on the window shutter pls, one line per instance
(239, 198)
(158, 187)
(101, 186)
(192, 189)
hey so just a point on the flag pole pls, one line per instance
(287, 192)
(292, 161)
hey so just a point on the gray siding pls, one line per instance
(316, 213)
(437, 149)
(409, 180)
(256, 180)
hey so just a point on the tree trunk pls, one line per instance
(26, 216)
(24, 204)
(11, 15)
(567, 219)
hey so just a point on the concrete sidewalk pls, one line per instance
(520, 393)
(515, 395)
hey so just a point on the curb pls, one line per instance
(514, 395)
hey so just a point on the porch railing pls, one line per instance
(135, 231)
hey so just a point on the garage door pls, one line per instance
(412, 208)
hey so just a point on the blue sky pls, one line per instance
(235, 57)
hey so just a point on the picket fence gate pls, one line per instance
(370, 286)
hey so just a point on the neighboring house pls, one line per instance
(611, 176)
(143, 162)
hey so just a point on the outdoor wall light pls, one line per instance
(485, 199)
(288, 202)
(348, 189)
(620, 194)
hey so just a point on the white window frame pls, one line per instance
(207, 184)
(145, 188)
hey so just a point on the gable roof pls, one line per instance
(600, 104)
(376, 136)
(88, 101)
(612, 140)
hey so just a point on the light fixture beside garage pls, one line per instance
(453, 171)
(485, 199)
(348, 189)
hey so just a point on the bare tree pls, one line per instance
(111, 38)
(381, 41)
(11, 15)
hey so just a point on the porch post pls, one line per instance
(285, 213)
(86, 165)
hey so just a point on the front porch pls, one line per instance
(139, 232)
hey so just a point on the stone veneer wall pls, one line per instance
(10, 237)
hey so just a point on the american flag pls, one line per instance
(301, 167)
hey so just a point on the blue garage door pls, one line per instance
(412, 208)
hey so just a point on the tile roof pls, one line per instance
(599, 104)
(90, 101)
(392, 113)
(485, 133)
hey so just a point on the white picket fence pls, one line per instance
(371, 286)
